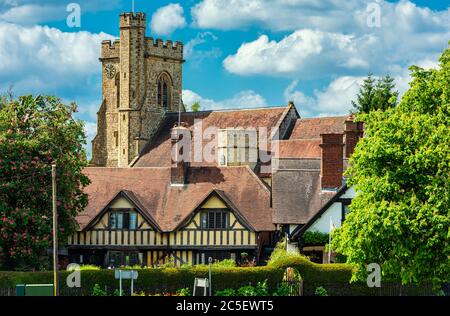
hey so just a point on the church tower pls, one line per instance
(141, 82)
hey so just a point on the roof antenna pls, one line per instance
(132, 6)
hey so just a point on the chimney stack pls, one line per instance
(332, 164)
(180, 154)
(353, 132)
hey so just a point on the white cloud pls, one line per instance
(45, 60)
(33, 14)
(315, 50)
(335, 99)
(90, 128)
(29, 12)
(273, 14)
(167, 19)
(241, 100)
(195, 55)
(305, 52)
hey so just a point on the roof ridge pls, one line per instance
(320, 117)
(232, 110)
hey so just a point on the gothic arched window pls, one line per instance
(164, 86)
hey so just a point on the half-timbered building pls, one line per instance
(246, 177)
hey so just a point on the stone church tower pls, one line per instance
(141, 82)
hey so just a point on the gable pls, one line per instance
(121, 203)
(216, 201)
(127, 201)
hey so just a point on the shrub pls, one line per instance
(170, 280)
(225, 292)
(86, 267)
(262, 289)
(282, 290)
(247, 290)
(321, 291)
(280, 254)
(315, 238)
(184, 292)
(98, 291)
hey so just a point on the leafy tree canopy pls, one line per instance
(400, 217)
(36, 132)
(195, 107)
(376, 95)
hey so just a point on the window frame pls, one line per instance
(205, 219)
(164, 87)
(126, 218)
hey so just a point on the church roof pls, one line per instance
(169, 205)
(157, 151)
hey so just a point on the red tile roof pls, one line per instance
(310, 128)
(157, 152)
(298, 148)
(170, 205)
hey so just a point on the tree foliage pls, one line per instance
(36, 132)
(400, 217)
(195, 107)
(376, 95)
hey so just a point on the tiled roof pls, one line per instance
(170, 205)
(157, 152)
(297, 193)
(310, 128)
(298, 148)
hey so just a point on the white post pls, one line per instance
(132, 278)
(209, 280)
(120, 282)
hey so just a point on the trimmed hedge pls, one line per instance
(160, 280)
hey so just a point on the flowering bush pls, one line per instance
(36, 132)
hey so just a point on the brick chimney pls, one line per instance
(180, 154)
(353, 132)
(332, 164)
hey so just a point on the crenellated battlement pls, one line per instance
(130, 19)
(110, 49)
(167, 49)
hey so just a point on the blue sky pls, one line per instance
(240, 53)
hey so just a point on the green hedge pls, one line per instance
(160, 280)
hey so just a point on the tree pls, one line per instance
(195, 107)
(36, 132)
(400, 217)
(376, 95)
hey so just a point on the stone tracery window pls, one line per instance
(164, 90)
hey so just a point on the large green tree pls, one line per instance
(400, 217)
(375, 95)
(36, 132)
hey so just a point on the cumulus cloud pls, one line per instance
(43, 59)
(29, 12)
(336, 97)
(242, 100)
(407, 33)
(309, 53)
(168, 19)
